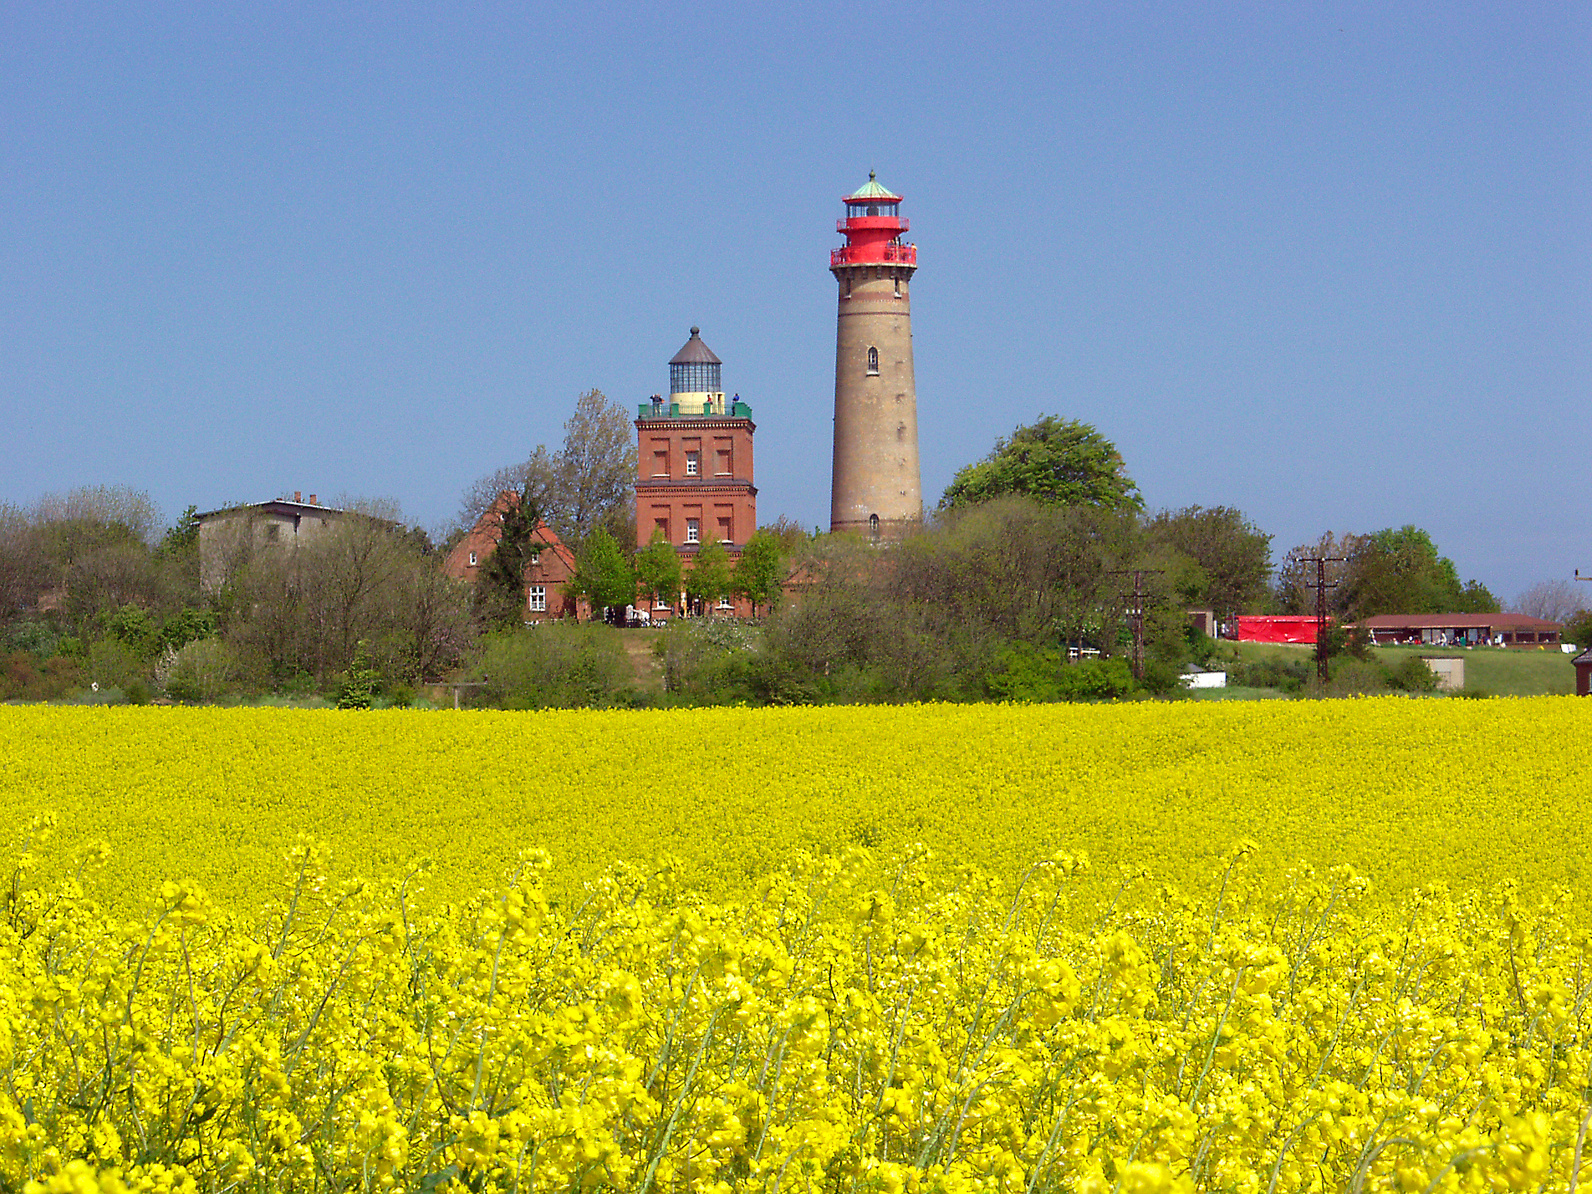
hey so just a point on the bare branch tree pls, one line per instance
(1555, 600)
(586, 484)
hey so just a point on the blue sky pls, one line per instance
(1329, 264)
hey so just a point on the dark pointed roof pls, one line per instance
(695, 352)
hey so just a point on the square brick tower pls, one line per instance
(694, 458)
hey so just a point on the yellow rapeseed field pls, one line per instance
(1410, 792)
(1145, 949)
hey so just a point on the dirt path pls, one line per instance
(638, 646)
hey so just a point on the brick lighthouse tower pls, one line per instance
(875, 486)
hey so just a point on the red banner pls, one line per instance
(1276, 628)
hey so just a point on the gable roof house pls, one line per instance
(547, 577)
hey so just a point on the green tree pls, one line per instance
(603, 574)
(658, 570)
(710, 577)
(1400, 572)
(760, 571)
(184, 536)
(500, 586)
(1578, 630)
(1058, 462)
(1233, 556)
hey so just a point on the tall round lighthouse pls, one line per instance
(875, 486)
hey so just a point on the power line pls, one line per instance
(1136, 612)
(1321, 586)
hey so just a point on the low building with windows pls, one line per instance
(230, 536)
(694, 476)
(1464, 630)
(547, 576)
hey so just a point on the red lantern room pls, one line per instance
(873, 228)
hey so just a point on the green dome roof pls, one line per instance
(873, 192)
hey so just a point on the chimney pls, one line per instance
(312, 499)
(299, 497)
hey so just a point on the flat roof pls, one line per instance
(275, 506)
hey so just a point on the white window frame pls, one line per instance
(693, 530)
(536, 557)
(724, 603)
(536, 598)
(693, 464)
(472, 559)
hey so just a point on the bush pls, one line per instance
(132, 626)
(1033, 674)
(198, 672)
(708, 659)
(1161, 678)
(357, 690)
(24, 678)
(1412, 675)
(114, 664)
(1289, 675)
(1578, 630)
(1354, 677)
(553, 666)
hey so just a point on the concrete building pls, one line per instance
(547, 576)
(694, 466)
(875, 485)
(230, 536)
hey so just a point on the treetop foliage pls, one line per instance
(1391, 571)
(1056, 462)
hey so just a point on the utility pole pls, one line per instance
(1136, 612)
(1321, 586)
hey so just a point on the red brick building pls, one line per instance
(547, 578)
(694, 462)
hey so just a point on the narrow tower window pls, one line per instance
(873, 362)
(873, 526)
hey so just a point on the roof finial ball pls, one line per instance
(696, 331)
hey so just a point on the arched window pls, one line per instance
(873, 362)
(873, 526)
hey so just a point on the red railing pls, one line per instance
(884, 254)
(859, 221)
